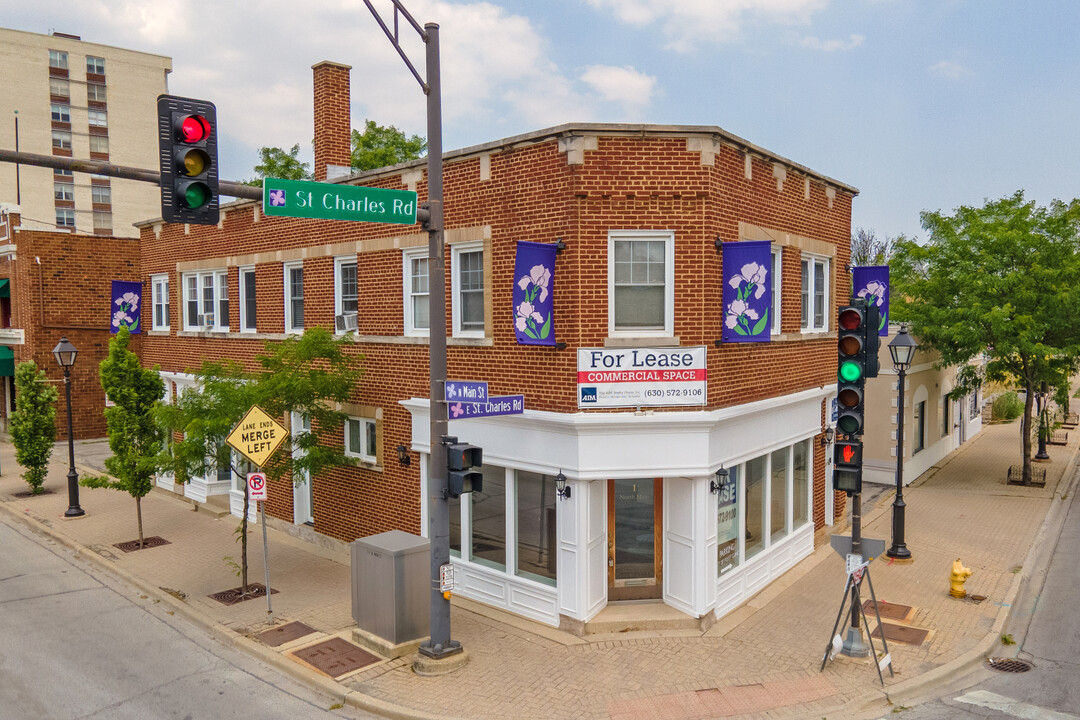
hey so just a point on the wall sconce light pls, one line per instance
(560, 486)
(830, 434)
(721, 478)
(403, 455)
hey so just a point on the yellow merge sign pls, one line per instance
(257, 436)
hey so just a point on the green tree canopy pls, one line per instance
(277, 163)
(380, 146)
(33, 424)
(1002, 280)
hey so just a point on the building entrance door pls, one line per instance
(635, 547)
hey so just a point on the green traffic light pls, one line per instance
(196, 195)
(850, 371)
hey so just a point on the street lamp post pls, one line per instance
(902, 350)
(65, 353)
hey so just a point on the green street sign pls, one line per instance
(327, 201)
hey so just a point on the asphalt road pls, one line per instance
(1046, 624)
(76, 642)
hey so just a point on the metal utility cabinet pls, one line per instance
(391, 587)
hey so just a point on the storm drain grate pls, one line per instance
(1010, 665)
(133, 545)
(233, 596)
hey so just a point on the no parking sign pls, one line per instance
(256, 483)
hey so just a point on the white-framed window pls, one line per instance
(345, 294)
(103, 220)
(95, 65)
(159, 289)
(97, 118)
(415, 273)
(206, 300)
(247, 299)
(65, 217)
(101, 194)
(641, 281)
(99, 144)
(60, 87)
(61, 139)
(815, 293)
(294, 297)
(467, 263)
(362, 439)
(777, 288)
(64, 190)
(95, 92)
(60, 113)
(58, 59)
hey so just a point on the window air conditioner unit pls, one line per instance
(208, 321)
(345, 322)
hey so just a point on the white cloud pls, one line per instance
(687, 24)
(812, 43)
(620, 84)
(950, 70)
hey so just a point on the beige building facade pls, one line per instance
(69, 98)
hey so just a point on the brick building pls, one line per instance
(642, 519)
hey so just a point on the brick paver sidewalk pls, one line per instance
(765, 656)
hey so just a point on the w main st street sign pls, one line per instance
(257, 436)
(331, 201)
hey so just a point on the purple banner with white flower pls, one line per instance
(534, 288)
(747, 291)
(126, 307)
(872, 283)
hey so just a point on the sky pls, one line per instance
(921, 104)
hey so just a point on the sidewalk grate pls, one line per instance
(278, 636)
(133, 545)
(233, 596)
(901, 633)
(335, 657)
(1010, 665)
(889, 611)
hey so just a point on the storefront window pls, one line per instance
(727, 523)
(489, 519)
(755, 506)
(800, 484)
(778, 490)
(536, 548)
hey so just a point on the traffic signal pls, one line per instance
(851, 368)
(188, 153)
(847, 466)
(460, 458)
(873, 340)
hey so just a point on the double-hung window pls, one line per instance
(60, 87)
(95, 92)
(641, 280)
(97, 118)
(99, 144)
(815, 293)
(294, 297)
(415, 273)
(247, 299)
(777, 287)
(468, 285)
(101, 194)
(58, 59)
(345, 294)
(64, 191)
(65, 217)
(206, 300)
(159, 286)
(60, 113)
(362, 439)
(95, 65)
(61, 139)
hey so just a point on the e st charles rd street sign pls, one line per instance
(330, 201)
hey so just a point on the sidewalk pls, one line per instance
(762, 658)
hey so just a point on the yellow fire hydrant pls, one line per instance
(957, 578)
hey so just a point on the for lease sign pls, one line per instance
(641, 377)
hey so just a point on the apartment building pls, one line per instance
(69, 98)
(697, 498)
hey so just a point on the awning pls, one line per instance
(5, 287)
(7, 358)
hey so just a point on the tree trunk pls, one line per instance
(138, 511)
(243, 545)
(1028, 402)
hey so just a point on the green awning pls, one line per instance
(5, 287)
(7, 360)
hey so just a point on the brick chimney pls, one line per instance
(333, 129)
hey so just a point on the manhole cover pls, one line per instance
(275, 637)
(1012, 665)
(231, 597)
(901, 633)
(30, 494)
(336, 657)
(133, 545)
(889, 611)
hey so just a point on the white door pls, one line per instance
(303, 496)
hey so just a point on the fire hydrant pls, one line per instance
(957, 578)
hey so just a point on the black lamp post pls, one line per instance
(902, 349)
(65, 353)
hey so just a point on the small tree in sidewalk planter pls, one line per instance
(134, 434)
(308, 374)
(33, 424)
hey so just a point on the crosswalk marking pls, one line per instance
(1007, 705)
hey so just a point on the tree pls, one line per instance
(866, 249)
(33, 424)
(309, 374)
(135, 437)
(1001, 280)
(379, 147)
(277, 163)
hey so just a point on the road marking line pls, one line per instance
(1007, 705)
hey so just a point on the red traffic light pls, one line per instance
(192, 128)
(850, 318)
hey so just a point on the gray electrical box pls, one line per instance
(391, 585)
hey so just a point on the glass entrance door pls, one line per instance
(634, 539)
